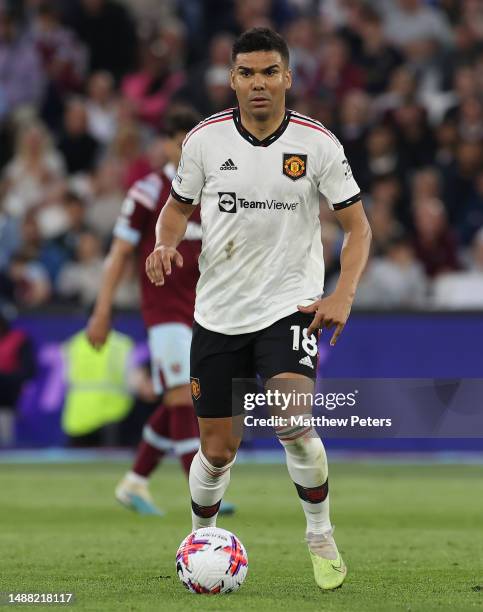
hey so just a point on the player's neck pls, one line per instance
(261, 129)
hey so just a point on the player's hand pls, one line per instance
(332, 311)
(159, 263)
(98, 328)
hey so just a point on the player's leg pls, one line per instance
(172, 355)
(210, 469)
(183, 425)
(132, 491)
(288, 358)
(215, 360)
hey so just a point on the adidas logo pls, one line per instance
(228, 165)
(307, 361)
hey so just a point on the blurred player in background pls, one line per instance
(257, 172)
(167, 314)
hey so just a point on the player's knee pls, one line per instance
(178, 396)
(305, 443)
(219, 456)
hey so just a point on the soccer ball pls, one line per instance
(211, 560)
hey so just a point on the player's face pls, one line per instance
(260, 80)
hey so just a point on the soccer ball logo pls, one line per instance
(211, 561)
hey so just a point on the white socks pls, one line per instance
(307, 466)
(207, 486)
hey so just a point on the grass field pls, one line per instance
(412, 537)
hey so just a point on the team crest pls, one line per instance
(294, 165)
(195, 388)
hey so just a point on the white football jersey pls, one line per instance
(262, 250)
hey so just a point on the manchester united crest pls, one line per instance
(294, 165)
(195, 388)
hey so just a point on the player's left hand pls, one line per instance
(332, 311)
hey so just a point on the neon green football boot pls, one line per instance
(329, 568)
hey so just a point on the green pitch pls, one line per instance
(412, 537)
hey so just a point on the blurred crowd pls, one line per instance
(85, 87)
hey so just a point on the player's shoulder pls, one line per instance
(206, 128)
(147, 190)
(314, 130)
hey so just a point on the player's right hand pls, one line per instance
(159, 263)
(98, 328)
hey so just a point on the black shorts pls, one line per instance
(217, 359)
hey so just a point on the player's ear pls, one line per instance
(288, 78)
(232, 79)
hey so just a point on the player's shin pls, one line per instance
(184, 434)
(208, 484)
(307, 466)
(155, 443)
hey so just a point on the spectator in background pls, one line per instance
(377, 57)
(472, 220)
(63, 57)
(106, 198)
(252, 14)
(426, 183)
(394, 280)
(22, 79)
(208, 85)
(128, 150)
(107, 29)
(355, 120)
(79, 280)
(101, 108)
(302, 38)
(383, 156)
(446, 137)
(152, 88)
(218, 93)
(17, 366)
(413, 25)
(462, 290)
(383, 203)
(337, 74)
(29, 281)
(78, 147)
(332, 244)
(407, 107)
(403, 87)
(59, 250)
(469, 120)
(434, 242)
(459, 180)
(414, 135)
(33, 172)
(9, 239)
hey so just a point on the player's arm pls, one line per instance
(99, 323)
(170, 230)
(355, 249)
(334, 310)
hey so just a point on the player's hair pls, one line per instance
(181, 119)
(260, 39)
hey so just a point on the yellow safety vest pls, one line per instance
(97, 392)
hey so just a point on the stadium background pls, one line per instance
(84, 88)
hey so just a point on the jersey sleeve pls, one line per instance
(138, 206)
(190, 177)
(335, 180)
